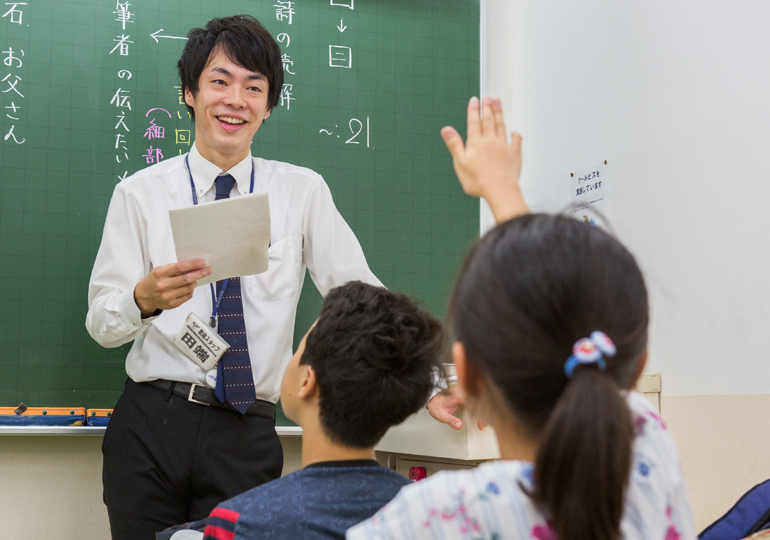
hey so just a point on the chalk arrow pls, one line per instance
(341, 28)
(155, 36)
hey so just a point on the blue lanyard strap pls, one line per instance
(215, 299)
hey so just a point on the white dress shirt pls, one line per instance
(306, 230)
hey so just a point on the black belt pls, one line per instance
(195, 393)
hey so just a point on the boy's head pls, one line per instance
(366, 365)
(244, 41)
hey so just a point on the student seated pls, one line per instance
(366, 365)
(550, 321)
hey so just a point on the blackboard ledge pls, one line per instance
(283, 431)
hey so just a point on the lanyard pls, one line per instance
(216, 299)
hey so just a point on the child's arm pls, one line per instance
(487, 165)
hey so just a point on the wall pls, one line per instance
(674, 95)
(51, 486)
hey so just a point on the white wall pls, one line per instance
(51, 485)
(674, 95)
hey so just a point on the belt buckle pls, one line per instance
(190, 397)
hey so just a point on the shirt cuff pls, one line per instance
(441, 383)
(131, 314)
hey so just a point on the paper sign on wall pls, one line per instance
(590, 194)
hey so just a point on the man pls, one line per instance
(178, 443)
(365, 366)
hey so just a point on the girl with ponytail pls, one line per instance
(549, 317)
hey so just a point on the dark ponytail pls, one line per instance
(584, 459)
(529, 289)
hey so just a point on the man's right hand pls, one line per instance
(169, 286)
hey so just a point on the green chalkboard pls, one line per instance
(90, 94)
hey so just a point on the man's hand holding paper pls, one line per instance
(169, 286)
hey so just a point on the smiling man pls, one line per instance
(181, 439)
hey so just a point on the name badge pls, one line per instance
(200, 342)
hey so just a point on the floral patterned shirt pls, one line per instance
(488, 503)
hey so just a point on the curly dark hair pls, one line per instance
(375, 353)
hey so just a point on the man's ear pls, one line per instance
(640, 365)
(188, 97)
(469, 376)
(308, 383)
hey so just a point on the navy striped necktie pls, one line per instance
(235, 382)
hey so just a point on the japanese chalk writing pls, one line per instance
(155, 131)
(13, 84)
(284, 10)
(153, 155)
(182, 137)
(15, 14)
(121, 99)
(286, 98)
(123, 13)
(287, 64)
(123, 42)
(343, 3)
(341, 56)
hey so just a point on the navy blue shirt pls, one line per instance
(321, 501)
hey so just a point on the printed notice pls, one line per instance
(231, 235)
(590, 194)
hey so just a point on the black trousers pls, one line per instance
(168, 461)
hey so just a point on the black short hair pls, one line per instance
(374, 352)
(245, 41)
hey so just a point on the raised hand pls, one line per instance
(487, 165)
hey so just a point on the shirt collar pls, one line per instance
(345, 463)
(204, 172)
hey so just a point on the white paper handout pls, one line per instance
(231, 235)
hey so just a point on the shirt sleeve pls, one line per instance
(221, 524)
(396, 519)
(440, 383)
(330, 249)
(374, 528)
(122, 261)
